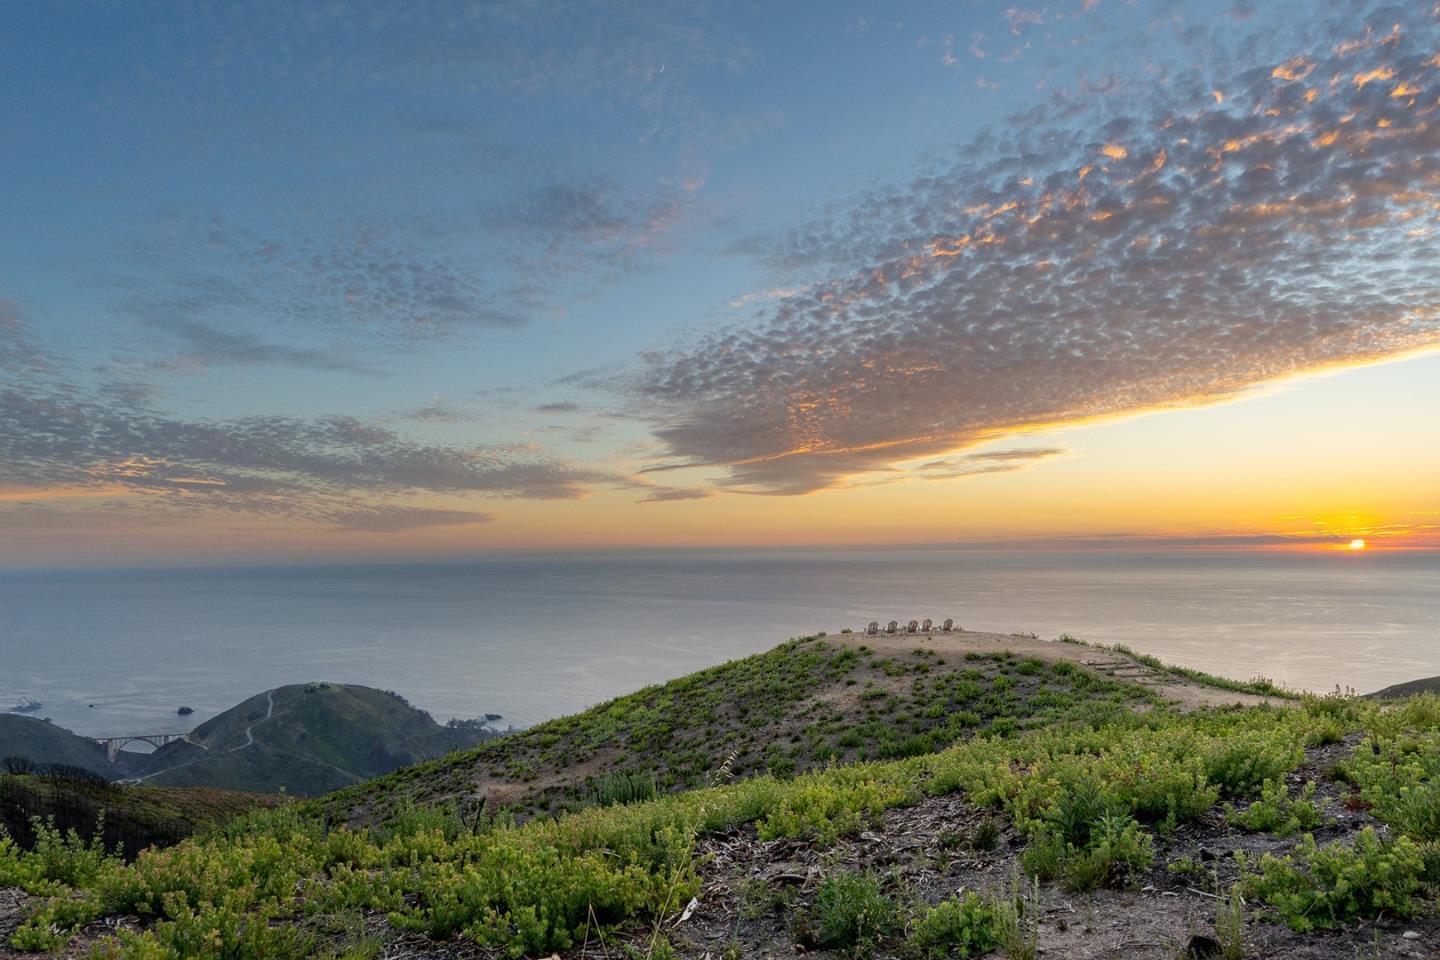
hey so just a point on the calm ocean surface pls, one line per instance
(534, 639)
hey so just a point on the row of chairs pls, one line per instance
(873, 628)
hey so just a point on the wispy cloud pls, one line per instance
(204, 346)
(335, 470)
(1180, 252)
(383, 518)
(670, 494)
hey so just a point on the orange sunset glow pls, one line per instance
(1175, 324)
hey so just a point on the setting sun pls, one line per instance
(1357, 544)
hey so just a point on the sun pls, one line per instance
(1357, 544)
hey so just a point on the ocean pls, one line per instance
(117, 652)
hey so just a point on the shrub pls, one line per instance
(1335, 884)
(1044, 856)
(987, 834)
(958, 927)
(1241, 763)
(1117, 849)
(1017, 919)
(625, 786)
(852, 912)
(1276, 813)
(1230, 925)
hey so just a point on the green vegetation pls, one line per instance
(42, 742)
(802, 706)
(1230, 925)
(306, 739)
(1092, 793)
(1276, 812)
(959, 927)
(852, 912)
(123, 817)
(1259, 686)
(1327, 886)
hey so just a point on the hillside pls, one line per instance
(305, 739)
(126, 818)
(41, 741)
(1410, 689)
(804, 705)
(1299, 828)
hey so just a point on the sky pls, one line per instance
(335, 280)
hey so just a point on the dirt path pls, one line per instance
(269, 712)
(1181, 691)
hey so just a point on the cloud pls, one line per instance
(564, 218)
(562, 407)
(20, 353)
(1020, 19)
(669, 494)
(990, 461)
(436, 412)
(987, 462)
(1180, 252)
(1024, 453)
(749, 299)
(307, 294)
(206, 346)
(335, 470)
(391, 519)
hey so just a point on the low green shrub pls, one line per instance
(852, 912)
(1276, 812)
(959, 927)
(1117, 850)
(1335, 884)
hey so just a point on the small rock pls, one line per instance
(1202, 948)
(1410, 935)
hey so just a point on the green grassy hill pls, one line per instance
(42, 742)
(804, 705)
(306, 739)
(1071, 818)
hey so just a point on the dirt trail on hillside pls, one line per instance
(1182, 691)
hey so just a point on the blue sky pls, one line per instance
(429, 265)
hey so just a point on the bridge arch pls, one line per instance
(113, 745)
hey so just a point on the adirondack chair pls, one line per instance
(913, 626)
(892, 627)
(949, 625)
(927, 626)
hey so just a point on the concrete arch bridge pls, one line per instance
(113, 745)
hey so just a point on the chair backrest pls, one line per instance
(893, 627)
(949, 624)
(873, 628)
(912, 626)
(928, 625)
